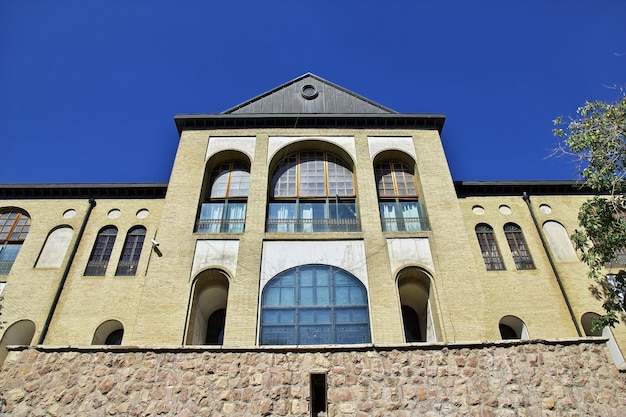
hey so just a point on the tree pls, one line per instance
(596, 138)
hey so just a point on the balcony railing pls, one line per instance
(405, 224)
(220, 225)
(312, 225)
(126, 268)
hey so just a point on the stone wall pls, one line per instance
(521, 378)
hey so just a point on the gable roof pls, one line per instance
(309, 94)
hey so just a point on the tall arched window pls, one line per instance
(398, 202)
(14, 227)
(131, 252)
(518, 246)
(101, 252)
(489, 247)
(312, 191)
(224, 206)
(314, 305)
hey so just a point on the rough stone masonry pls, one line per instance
(522, 378)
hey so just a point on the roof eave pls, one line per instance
(316, 120)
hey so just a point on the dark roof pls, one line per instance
(518, 188)
(323, 97)
(309, 102)
(78, 191)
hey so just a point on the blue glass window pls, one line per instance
(314, 305)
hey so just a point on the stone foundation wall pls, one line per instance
(530, 378)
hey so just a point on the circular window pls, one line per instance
(478, 210)
(68, 214)
(309, 92)
(504, 209)
(142, 214)
(545, 208)
(114, 214)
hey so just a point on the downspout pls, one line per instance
(526, 198)
(57, 296)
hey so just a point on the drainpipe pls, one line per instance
(57, 296)
(554, 270)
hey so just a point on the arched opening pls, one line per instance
(19, 333)
(55, 248)
(207, 316)
(559, 241)
(587, 320)
(512, 328)
(131, 252)
(489, 247)
(314, 305)
(312, 191)
(414, 290)
(225, 194)
(111, 332)
(101, 252)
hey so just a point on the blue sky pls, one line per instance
(88, 89)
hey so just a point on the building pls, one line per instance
(306, 220)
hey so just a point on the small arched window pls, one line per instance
(517, 244)
(131, 252)
(111, 332)
(224, 206)
(101, 252)
(512, 327)
(14, 227)
(400, 209)
(314, 305)
(489, 247)
(312, 191)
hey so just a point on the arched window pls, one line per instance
(559, 241)
(312, 191)
(55, 248)
(111, 332)
(101, 252)
(489, 247)
(14, 227)
(512, 327)
(398, 202)
(417, 314)
(207, 317)
(517, 244)
(224, 206)
(314, 305)
(587, 321)
(131, 252)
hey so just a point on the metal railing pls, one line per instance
(405, 224)
(220, 225)
(127, 268)
(312, 225)
(96, 268)
(5, 266)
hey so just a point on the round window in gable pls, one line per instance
(309, 91)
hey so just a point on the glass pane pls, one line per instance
(9, 252)
(271, 297)
(306, 296)
(287, 296)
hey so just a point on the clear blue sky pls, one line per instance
(88, 89)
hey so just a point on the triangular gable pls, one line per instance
(309, 94)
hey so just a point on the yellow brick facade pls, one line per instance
(156, 305)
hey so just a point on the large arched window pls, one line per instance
(517, 244)
(224, 206)
(14, 227)
(312, 191)
(489, 247)
(131, 252)
(101, 252)
(398, 202)
(314, 305)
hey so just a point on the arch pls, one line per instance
(587, 321)
(415, 293)
(312, 190)
(14, 227)
(19, 333)
(489, 247)
(314, 304)
(398, 196)
(224, 193)
(131, 252)
(55, 247)
(207, 315)
(110, 332)
(512, 327)
(317, 144)
(559, 241)
(101, 252)
(518, 246)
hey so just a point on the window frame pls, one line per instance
(12, 221)
(131, 252)
(101, 252)
(519, 247)
(492, 257)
